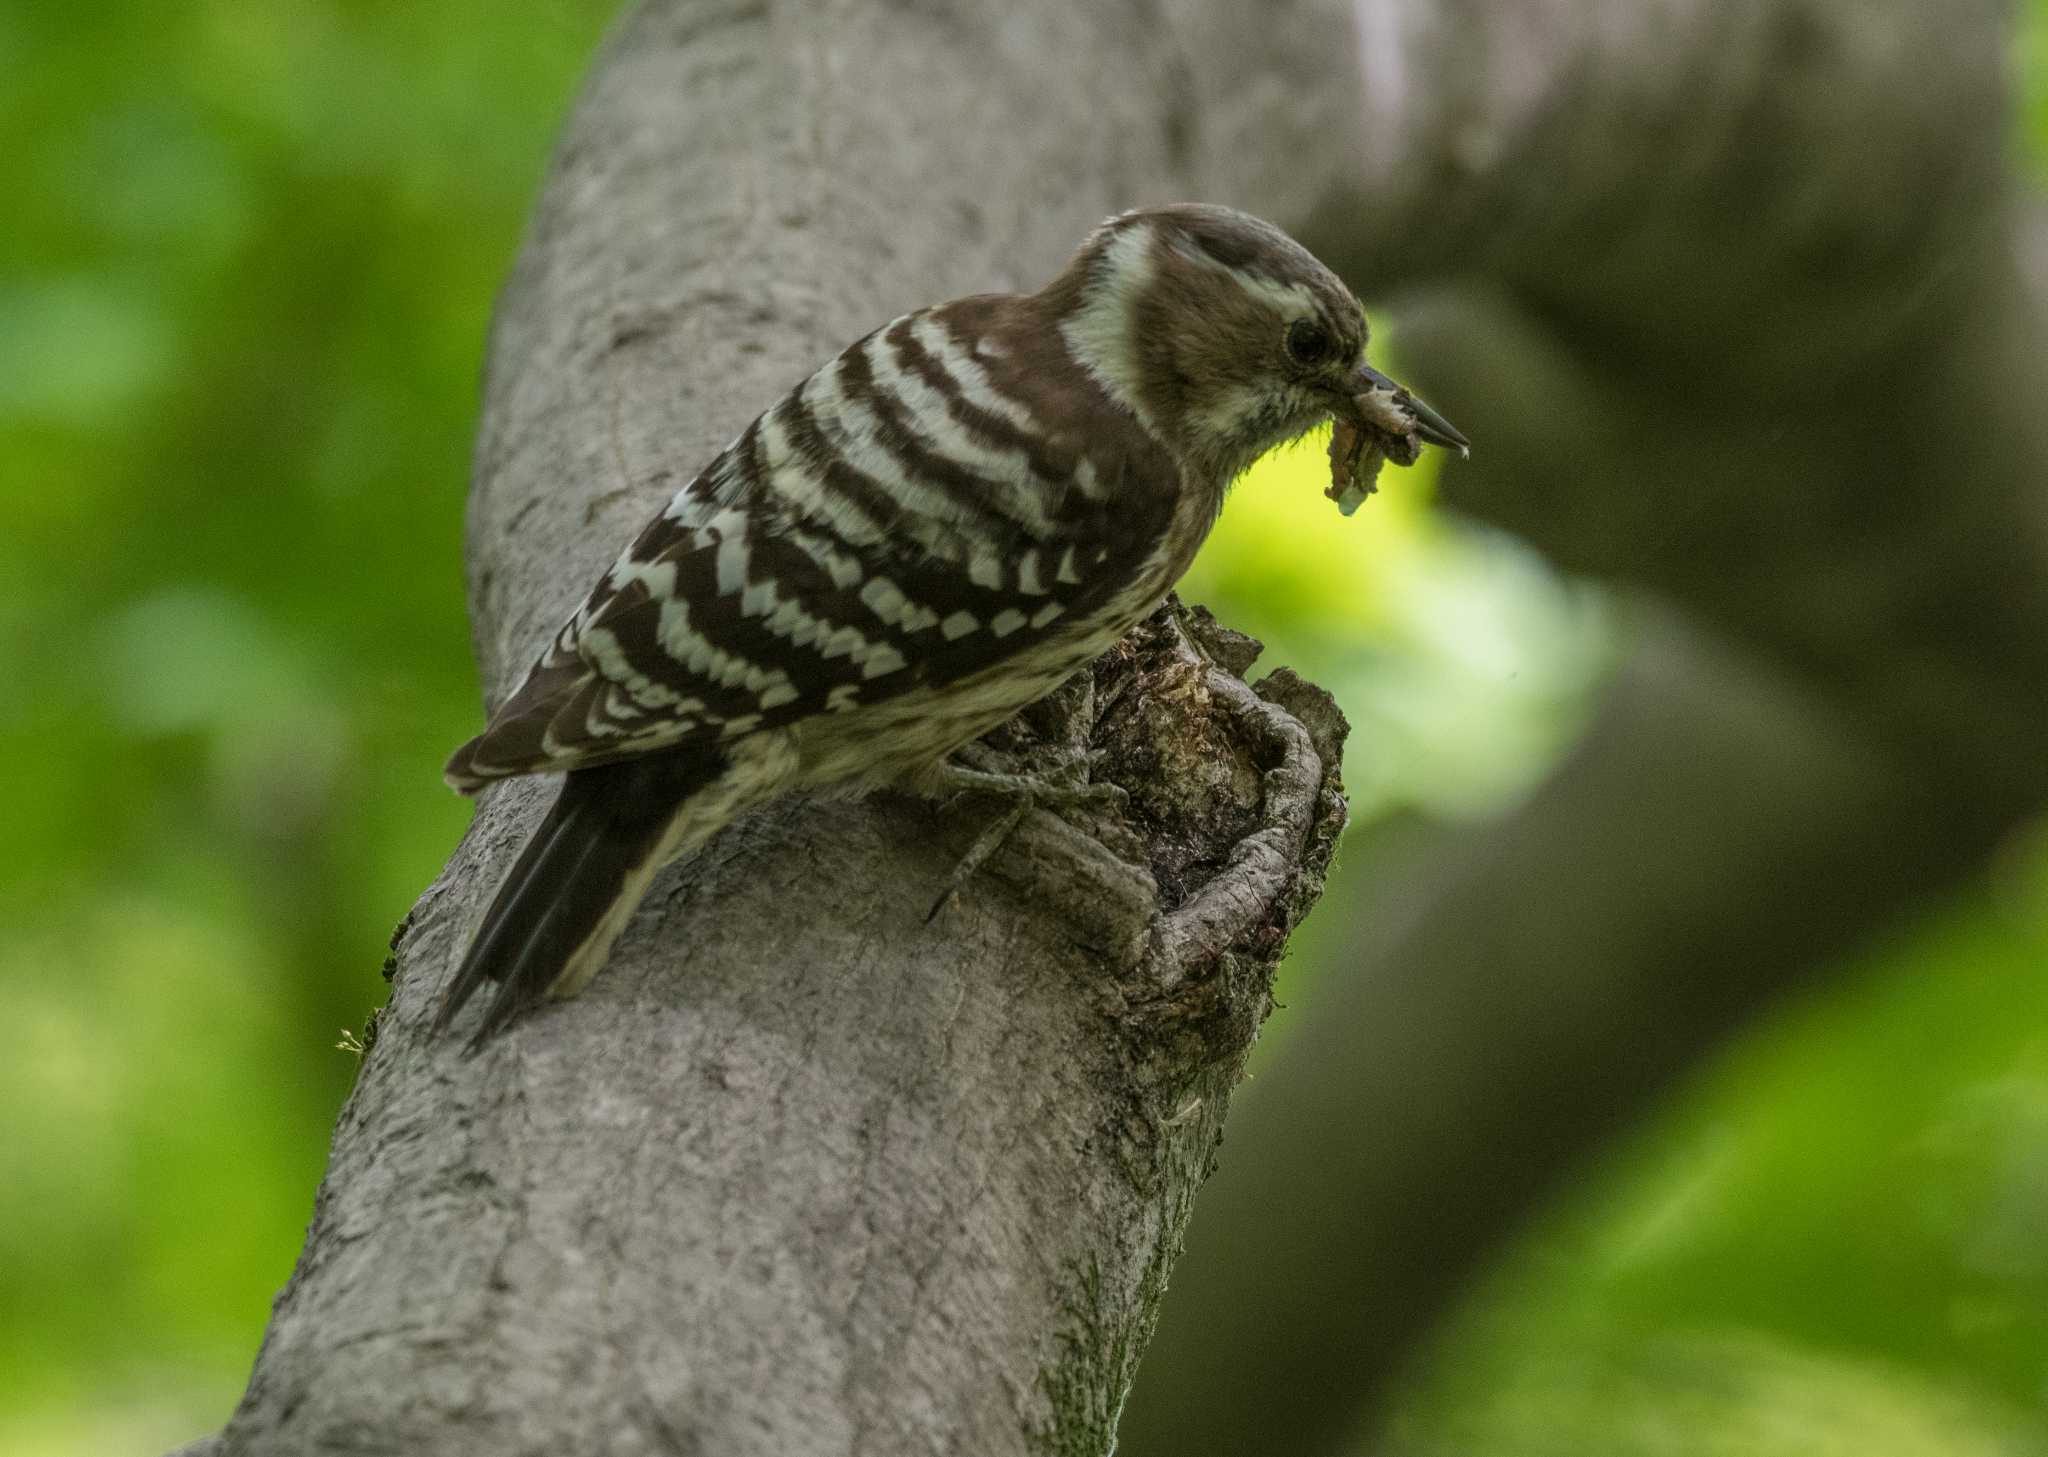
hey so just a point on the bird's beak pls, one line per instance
(1382, 406)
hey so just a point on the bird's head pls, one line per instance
(1226, 337)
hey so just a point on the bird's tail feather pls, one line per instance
(577, 883)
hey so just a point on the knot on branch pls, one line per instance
(1236, 803)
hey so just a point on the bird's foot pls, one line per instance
(1019, 794)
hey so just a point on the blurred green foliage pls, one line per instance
(1836, 1241)
(243, 298)
(244, 288)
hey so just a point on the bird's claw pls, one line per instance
(1024, 793)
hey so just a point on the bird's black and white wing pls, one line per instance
(903, 519)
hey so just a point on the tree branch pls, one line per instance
(799, 1173)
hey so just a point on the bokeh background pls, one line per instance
(244, 290)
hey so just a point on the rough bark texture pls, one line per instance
(800, 1173)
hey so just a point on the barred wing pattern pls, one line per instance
(903, 519)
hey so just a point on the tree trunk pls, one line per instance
(800, 1173)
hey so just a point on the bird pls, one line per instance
(931, 532)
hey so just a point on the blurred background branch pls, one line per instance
(1759, 263)
(1772, 262)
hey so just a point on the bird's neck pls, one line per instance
(1094, 305)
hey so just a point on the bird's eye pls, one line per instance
(1309, 343)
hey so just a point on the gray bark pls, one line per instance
(800, 1173)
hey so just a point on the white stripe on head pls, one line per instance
(1099, 333)
(1290, 301)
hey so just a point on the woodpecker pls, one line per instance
(931, 532)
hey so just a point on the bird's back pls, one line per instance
(950, 493)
